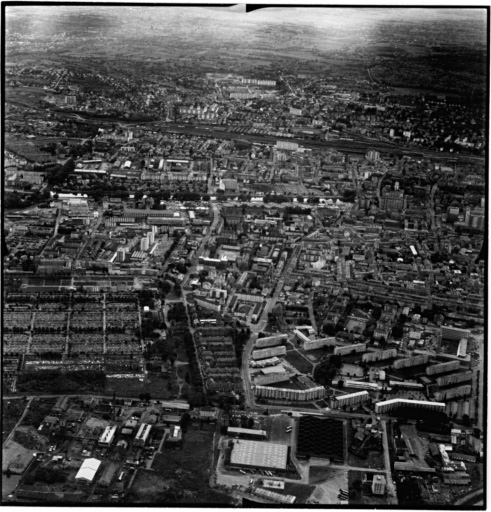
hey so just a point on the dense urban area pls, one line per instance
(242, 276)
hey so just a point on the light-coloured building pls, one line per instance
(259, 454)
(379, 484)
(88, 470)
(395, 403)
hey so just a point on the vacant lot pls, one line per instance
(15, 457)
(301, 491)
(11, 412)
(299, 362)
(184, 474)
(374, 460)
(37, 411)
(328, 481)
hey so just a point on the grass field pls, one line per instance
(132, 387)
(374, 460)
(301, 491)
(299, 362)
(11, 412)
(184, 473)
(38, 410)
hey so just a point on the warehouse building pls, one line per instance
(88, 470)
(107, 437)
(143, 434)
(259, 454)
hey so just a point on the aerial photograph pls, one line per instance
(244, 256)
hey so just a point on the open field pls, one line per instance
(38, 410)
(328, 481)
(184, 473)
(11, 412)
(28, 96)
(301, 491)
(374, 460)
(299, 362)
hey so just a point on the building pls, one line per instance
(61, 405)
(297, 395)
(286, 499)
(349, 349)
(410, 361)
(454, 378)
(142, 434)
(269, 352)
(350, 399)
(371, 357)
(453, 333)
(259, 454)
(271, 341)
(209, 413)
(88, 470)
(462, 348)
(451, 393)
(379, 484)
(315, 344)
(246, 433)
(272, 378)
(395, 403)
(108, 475)
(107, 437)
(436, 369)
(284, 144)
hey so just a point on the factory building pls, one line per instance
(88, 470)
(107, 437)
(142, 434)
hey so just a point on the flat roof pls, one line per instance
(260, 454)
(88, 469)
(239, 430)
